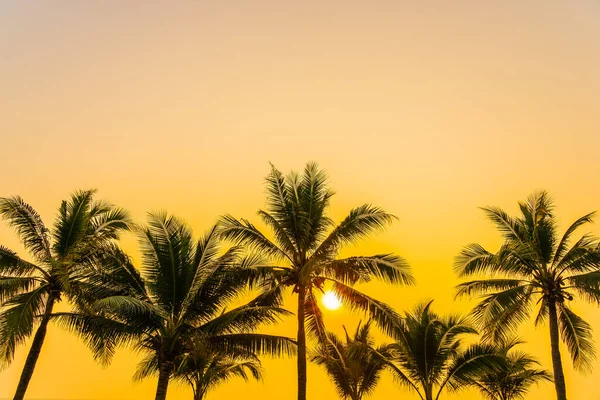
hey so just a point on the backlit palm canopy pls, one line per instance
(305, 249)
(536, 268)
(203, 367)
(354, 365)
(432, 355)
(514, 377)
(180, 296)
(62, 258)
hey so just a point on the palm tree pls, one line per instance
(517, 373)
(432, 356)
(355, 365)
(61, 258)
(181, 293)
(535, 268)
(203, 368)
(306, 248)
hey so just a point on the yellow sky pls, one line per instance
(426, 108)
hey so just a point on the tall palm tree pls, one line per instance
(535, 267)
(516, 374)
(432, 355)
(354, 365)
(61, 258)
(181, 293)
(305, 250)
(203, 368)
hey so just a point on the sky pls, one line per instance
(429, 109)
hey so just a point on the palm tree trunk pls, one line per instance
(163, 380)
(301, 344)
(198, 395)
(559, 377)
(429, 392)
(34, 352)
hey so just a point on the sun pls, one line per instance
(331, 301)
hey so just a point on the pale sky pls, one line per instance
(429, 109)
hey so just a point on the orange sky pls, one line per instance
(428, 109)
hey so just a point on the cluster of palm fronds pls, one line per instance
(177, 306)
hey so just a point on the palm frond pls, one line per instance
(485, 286)
(17, 320)
(587, 285)
(167, 254)
(470, 365)
(244, 233)
(382, 314)
(386, 267)
(279, 202)
(501, 313)
(146, 368)
(254, 343)
(583, 256)
(508, 226)
(286, 243)
(359, 223)
(314, 316)
(11, 264)
(28, 224)
(103, 335)
(577, 335)
(243, 319)
(134, 311)
(313, 194)
(12, 286)
(72, 222)
(563, 245)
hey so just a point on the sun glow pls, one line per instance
(331, 301)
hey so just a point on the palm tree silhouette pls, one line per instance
(181, 294)
(533, 267)
(62, 258)
(203, 368)
(354, 365)
(431, 354)
(516, 374)
(306, 248)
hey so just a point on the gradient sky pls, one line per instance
(426, 108)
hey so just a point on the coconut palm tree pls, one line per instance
(203, 368)
(60, 259)
(181, 293)
(432, 355)
(305, 253)
(535, 267)
(516, 374)
(354, 365)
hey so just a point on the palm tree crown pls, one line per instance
(61, 261)
(179, 296)
(354, 365)
(306, 246)
(432, 356)
(535, 267)
(203, 367)
(516, 374)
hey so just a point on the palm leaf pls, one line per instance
(359, 223)
(28, 224)
(17, 320)
(577, 335)
(382, 314)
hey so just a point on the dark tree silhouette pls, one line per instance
(354, 365)
(180, 295)
(535, 267)
(61, 260)
(306, 246)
